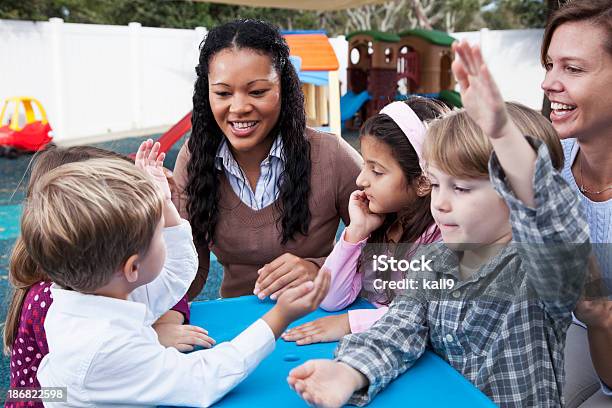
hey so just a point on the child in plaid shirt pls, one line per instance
(517, 262)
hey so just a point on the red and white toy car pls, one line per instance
(23, 127)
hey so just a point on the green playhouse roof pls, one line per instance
(376, 35)
(433, 36)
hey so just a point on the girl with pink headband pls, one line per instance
(390, 213)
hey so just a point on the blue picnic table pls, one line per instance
(430, 382)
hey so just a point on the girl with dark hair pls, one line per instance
(390, 213)
(577, 55)
(262, 191)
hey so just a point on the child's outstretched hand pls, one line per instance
(322, 330)
(297, 302)
(151, 161)
(182, 337)
(479, 93)
(363, 221)
(325, 383)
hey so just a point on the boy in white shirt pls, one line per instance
(100, 228)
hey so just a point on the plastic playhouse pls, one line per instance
(317, 66)
(384, 67)
(24, 127)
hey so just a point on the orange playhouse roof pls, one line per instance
(315, 51)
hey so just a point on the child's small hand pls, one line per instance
(183, 337)
(297, 302)
(479, 93)
(326, 383)
(149, 160)
(363, 221)
(284, 272)
(325, 329)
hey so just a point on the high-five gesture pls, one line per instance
(483, 102)
(479, 93)
(151, 161)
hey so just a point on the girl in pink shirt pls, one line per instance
(390, 213)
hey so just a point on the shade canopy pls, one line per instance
(319, 5)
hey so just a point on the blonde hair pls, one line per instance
(458, 146)
(83, 220)
(23, 271)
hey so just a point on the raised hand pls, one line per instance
(363, 221)
(151, 161)
(479, 93)
(325, 329)
(325, 383)
(483, 102)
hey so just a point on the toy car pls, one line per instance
(20, 129)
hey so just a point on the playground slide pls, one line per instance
(351, 102)
(175, 133)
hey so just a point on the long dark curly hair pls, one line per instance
(203, 178)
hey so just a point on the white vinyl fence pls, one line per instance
(513, 57)
(97, 80)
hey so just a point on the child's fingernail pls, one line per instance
(256, 291)
(261, 296)
(273, 297)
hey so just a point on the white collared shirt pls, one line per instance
(106, 353)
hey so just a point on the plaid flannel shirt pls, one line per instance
(504, 327)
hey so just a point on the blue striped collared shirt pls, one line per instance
(271, 169)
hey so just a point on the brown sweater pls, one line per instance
(246, 239)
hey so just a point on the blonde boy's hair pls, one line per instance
(84, 220)
(458, 146)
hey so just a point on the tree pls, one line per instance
(398, 15)
(393, 15)
(514, 14)
(462, 15)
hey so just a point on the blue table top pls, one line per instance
(431, 381)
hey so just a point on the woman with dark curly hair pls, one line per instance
(262, 191)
